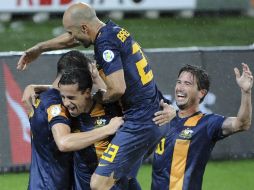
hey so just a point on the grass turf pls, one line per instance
(163, 32)
(219, 175)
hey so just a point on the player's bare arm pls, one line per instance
(115, 86)
(98, 82)
(61, 42)
(31, 93)
(67, 141)
(243, 119)
(164, 116)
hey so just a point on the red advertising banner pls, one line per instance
(42, 2)
(18, 122)
(252, 3)
(100, 5)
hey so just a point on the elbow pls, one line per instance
(120, 92)
(116, 93)
(62, 146)
(246, 125)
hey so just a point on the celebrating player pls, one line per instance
(128, 77)
(181, 157)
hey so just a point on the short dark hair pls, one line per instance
(202, 77)
(77, 76)
(72, 60)
(73, 67)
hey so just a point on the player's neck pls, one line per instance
(89, 106)
(96, 30)
(186, 112)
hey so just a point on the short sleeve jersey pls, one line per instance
(50, 168)
(181, 156)
(115, 49)
(86, 160)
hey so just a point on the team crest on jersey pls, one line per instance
(55, 110)
(108, 55)
(100, 123)
(186, 133)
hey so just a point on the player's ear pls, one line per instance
(87, 92)
(84, 28)
(202, 93)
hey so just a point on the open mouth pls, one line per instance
(71, 109)
(180, 95)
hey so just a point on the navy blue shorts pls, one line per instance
(127, 149)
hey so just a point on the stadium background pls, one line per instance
(217, 35)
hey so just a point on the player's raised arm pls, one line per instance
(243, 119)
(61, 42)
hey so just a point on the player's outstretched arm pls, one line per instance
(61, 42)
(67, 141)
(243, 119)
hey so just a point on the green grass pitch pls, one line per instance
(219, 175)
(157, 33)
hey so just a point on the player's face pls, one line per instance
(78, 32)
(75, 101)
(80, 36)
(186, 91)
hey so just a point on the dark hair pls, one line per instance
(203, 81)
(73, 67)
(81, 77)
(72, 60)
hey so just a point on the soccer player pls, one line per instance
(51, 167)
(181, 157)
(128, 77)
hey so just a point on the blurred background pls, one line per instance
(215, 34)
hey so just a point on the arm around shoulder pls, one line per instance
(67, 141)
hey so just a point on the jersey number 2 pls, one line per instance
(145, 77)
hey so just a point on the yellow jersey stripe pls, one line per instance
(178, 164)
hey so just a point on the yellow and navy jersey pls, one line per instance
(180, 158)
(115, 49)
(86, 160)
(50, 168)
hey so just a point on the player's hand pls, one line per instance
(28, 56)
(245, 81)
(94, 71)
(98, 96)
(164, 116)
(29, 97)
(114, 124)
